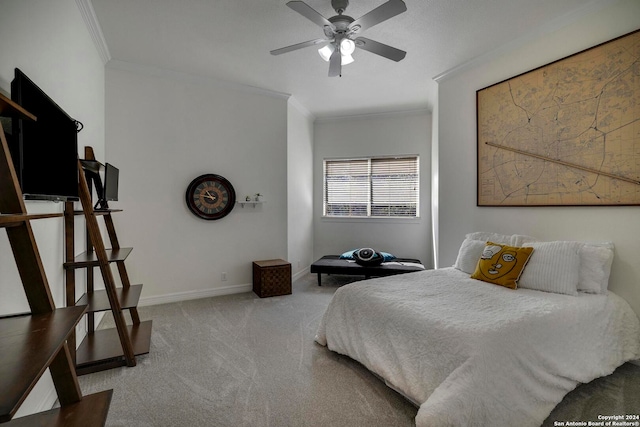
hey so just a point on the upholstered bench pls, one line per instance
(333, 264)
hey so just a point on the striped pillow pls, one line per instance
(553, 267)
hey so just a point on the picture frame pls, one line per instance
(564, 134)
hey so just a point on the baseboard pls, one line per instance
(189, 295)
(299, 274)
(207, 293)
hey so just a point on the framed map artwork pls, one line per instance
(564, 134)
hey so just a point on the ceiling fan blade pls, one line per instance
(335, 64)
(380, 49)
(308, 12)
(299, 46)
(377, 15)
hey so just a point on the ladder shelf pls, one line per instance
(105, 348)
(35, 341)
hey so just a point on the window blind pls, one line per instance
(372, 187)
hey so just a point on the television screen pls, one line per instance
(111, 182)
(44, 152)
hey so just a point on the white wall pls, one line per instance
(375, 135)
(299, 188)
(165, 129)
(50, 43)
(458, 213)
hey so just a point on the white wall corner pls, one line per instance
(95, 30)
(301, 108)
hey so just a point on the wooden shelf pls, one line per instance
(91, 165)
(90, 259)
(14, 220)
(109, 211)
(29, 344)
(99, 301)
(42, 339)
(252, 202)
(98, 212)
(90, 411)
(9, 108)
(101, 349)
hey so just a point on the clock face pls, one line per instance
(210, 196)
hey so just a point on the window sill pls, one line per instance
(385, 220)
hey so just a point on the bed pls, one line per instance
(470, 353)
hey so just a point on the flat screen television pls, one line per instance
(45, 151)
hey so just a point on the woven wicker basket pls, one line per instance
(271, 278)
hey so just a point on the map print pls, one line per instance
(567, 133)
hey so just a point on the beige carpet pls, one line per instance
(240, 360)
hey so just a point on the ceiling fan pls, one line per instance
(341, 33)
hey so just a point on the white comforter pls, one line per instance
(475, 354)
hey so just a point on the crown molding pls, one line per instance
(180, 76)
(549, 27)
(383, 114)
(91, 21)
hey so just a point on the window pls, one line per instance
(372, 187)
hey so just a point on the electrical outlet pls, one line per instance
(223, 277)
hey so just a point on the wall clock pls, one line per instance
(210, 196)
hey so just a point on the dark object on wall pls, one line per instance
(564, 134)
(210, 196)
(45, 151)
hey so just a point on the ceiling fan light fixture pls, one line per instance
(347, 59)
(347, 47)
(326, 51)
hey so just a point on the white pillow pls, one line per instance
(553, 267)
(522, 240)
(486, 236)
(469, 254)
(595, 267)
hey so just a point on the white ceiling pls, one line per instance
(230, 40)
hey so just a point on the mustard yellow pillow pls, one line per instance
(502, 264)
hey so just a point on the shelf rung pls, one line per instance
(103, 347)
(14, 220)
(29, 343)
(99, 212)
(90, 259)
(99, 301)
(91, 411)
(9, 108)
